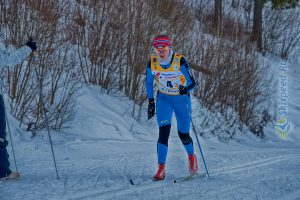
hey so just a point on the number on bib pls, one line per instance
(169, 84)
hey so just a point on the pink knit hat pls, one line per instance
(162, 41)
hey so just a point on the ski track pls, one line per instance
(234, 175)
(253, 165)
(135, 190)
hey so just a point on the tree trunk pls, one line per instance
(257, 23)
(218, 16)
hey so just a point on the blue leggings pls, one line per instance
(165, 105)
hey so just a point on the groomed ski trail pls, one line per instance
(102, 169)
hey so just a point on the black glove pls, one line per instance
(3, 143)
(32, 44)
(151, 108)
(183, 90)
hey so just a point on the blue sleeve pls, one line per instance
(149, 81)
(188, 73)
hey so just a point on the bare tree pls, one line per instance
(281, 32)
(42, 21)
(256, 34)
(218, 16)
(108, 43)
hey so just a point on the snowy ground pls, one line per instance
(101, 169)
(106, 147)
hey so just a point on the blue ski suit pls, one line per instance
(9, 59)
(168, 78)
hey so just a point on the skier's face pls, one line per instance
(163, 52)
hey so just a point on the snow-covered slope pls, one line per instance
(294, 95)
(105, 147)
(100, 116)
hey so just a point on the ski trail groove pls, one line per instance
(252, 164)
(119, 192)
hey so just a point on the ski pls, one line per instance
(188, 178)
(131, 182)
(175, 180)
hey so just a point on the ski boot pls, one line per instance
(193, 164)
(160, 174)
(12, 175)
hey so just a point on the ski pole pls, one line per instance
(194, 130)
(47, 121)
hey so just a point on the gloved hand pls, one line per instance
(182, 90)
(3, 143)
(151, 108)
(32, 44)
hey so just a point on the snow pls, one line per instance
(294, 95)
(105, 147)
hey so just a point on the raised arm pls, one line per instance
(12, 58)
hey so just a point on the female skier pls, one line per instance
(174, 79)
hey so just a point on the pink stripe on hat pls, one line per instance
(162, 41)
